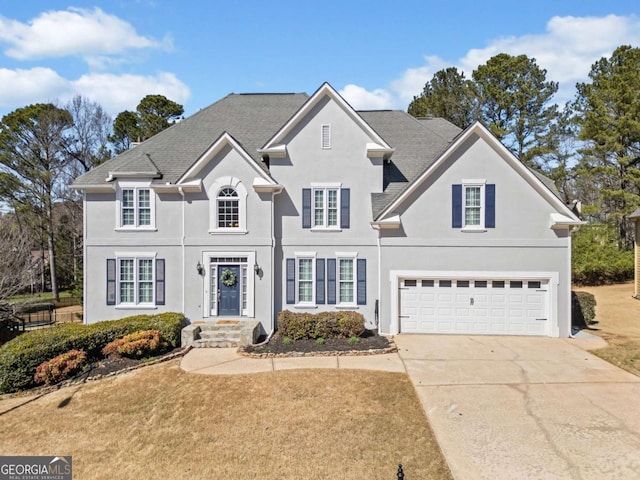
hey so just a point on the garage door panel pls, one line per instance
(474, 307)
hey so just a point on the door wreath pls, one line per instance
(228, 278)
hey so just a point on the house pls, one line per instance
(633, 219)
(265, 202)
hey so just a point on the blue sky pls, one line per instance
(376, 54)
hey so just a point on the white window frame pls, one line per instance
(474, 183)
(353, 256)
(325, 188)
(325, 136)
(214, 192)
(137, 187)
(312, 257)
(135, 257)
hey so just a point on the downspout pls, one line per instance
(273, 274)
(84, 257)
(273, 264)
(379, 280)
(568, 282)
(182, 246)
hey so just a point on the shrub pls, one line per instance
(320, 341)
(596, 258)
(583, 309)
(342, 324)
(137, 345)
(353, 340)
(20, 357)
(61, 367)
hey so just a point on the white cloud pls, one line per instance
(22, 87)
(75, 31)
(567, 49)
(123, 92)
(114, 92)
(378, 99)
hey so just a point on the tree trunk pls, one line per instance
(52, 267)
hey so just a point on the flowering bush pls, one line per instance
(137, 345)
(61, 367)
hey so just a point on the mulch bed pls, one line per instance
(369, 343)
(113, 364)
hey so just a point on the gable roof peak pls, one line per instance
(275, 143)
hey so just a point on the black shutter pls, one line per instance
(320, 281)
(111, 281)
(331, 281)
(490, 206)
(345, 207)
(291, 280)
(456, 206)
(362, 281)
(306, 208)
(160, 282)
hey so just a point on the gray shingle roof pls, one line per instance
(417, 142)
(250, 118)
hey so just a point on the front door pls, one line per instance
(229, 290)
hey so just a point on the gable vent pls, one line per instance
(326, 137)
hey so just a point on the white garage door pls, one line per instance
(490, 307)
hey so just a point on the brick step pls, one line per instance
(219, 335)
(215, 344)
(216, 335)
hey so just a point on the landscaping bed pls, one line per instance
(369, 343)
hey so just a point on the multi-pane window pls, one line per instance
(144, 207)
(472, 206)
(135, 208)
(325, 207)
(305, 280)
(228, 208)
(145, 280)
(128, 208)
(346, 280)
(127, 282)
(135, 280)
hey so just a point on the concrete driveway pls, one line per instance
(526, 408)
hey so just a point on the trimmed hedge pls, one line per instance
(137, 345)
(342, 324)
(20, 357)
(61, 367)
(583, 309)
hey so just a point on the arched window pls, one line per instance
(228, 208)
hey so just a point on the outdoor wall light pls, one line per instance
(200, 268)
(257, 270)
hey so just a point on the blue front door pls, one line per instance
(229, 290)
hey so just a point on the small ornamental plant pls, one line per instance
(137, 345)
(61, 367)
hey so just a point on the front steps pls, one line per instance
(221, 333)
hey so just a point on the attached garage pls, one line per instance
(475, 304)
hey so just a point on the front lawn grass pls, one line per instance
(161, 422)
(618, 317)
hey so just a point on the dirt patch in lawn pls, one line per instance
(161, 422)
(618, 317)
(369, 343)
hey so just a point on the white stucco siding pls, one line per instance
(521, 213)
(345, 163)
(521, 241)
(356, 252)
